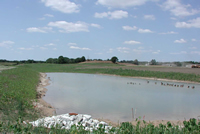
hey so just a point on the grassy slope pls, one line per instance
(17, 89)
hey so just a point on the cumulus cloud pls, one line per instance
(110, 50)
(189, 24)
(69, 27)
(195, 52)
(149, 17)
(171, 32)
(132, 42)
(49, 15)
(22, 48)
(123, 49)
(192, 47)
(6, 44)
(50, 44)
(39, 29)
(96, 25)
(74, 47)
(129, 28)
(122, 3)
(194, 40)
(145, 31)
(64, 6)
(156, 52)
(118, 14)
(180, 41)
(178, 9)
(71, 44)
(43, 48)
(182, 52)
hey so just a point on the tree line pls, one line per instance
(65, 60)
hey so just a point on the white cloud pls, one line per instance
(110, 50)
(43, 48)
(48, 15)
(122, 3)
(39, 29)
(22, 48)
(71, 44)
(194, 40)
(192, 47)
(101, 15)
(132, 42)
(68, 27)
(54, 48)
(182, 52)
(96, 25)
(118, 14)
(195, 52)
(123, 49)
(156, 52)
(6, 44)
(191, 23)
(73, 47)
(180, 41)
(129, 28)
(178, 9)
(145, 31)
(172, 32)
(64, 6)
(149, 17)
(50, 44)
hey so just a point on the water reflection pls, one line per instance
(113, 97)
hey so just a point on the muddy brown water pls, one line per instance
(113, 97)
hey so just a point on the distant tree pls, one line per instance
(83, 59)
(179, 64)
(136, 62)
(61, 60)
(153, 62)
(114, 59)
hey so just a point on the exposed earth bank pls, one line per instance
(43, 107)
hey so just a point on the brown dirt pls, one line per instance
(43, 107)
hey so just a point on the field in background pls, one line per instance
(173, 73)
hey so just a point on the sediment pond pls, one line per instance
(113, 97)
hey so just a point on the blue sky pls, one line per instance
(165, 30)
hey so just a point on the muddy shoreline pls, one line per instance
(46, 109)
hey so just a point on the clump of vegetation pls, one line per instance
(190, 127)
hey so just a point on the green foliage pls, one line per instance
(114, 59)
(125, 128)
(136, 62)
(153, 62)
(179, 64)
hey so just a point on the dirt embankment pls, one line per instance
(43, 107)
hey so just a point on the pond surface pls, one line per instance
(113, 97)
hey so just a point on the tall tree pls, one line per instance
(61, 60)
(114, 59)
(153, 62)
